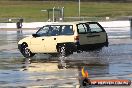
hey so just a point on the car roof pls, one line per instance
(69, 23)
(64, 23)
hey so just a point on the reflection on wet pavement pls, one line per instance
(47, 71)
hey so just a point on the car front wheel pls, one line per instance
(65, 50)
(26, 51)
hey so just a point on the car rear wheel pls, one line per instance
(65, 50)
(62, 51)
(26, 51)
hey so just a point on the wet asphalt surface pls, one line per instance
(45, 71)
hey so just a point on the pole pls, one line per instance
(62, 12)
(131, 28)
(79, 9)
(53, 14)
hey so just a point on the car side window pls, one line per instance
(66, 30)
(95, 27)
(53, 30)
(48, 31)
(82, 28)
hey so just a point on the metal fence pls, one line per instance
(97, 18)
(66, 19)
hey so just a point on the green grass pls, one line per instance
(31, 10)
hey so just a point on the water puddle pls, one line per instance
(47, 71)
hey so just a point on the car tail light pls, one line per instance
(76, 38)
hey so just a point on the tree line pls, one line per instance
(76, 0)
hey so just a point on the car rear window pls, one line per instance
(95, 27)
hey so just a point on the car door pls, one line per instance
(91, 33)
(83, 34)
(37, 42)
(50, 41)
(66, 34)
(37, 45)
(97, 34)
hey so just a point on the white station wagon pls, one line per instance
(64, 38)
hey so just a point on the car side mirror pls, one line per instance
(34, 35)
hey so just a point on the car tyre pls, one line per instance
(62, 51)
(26, 51)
